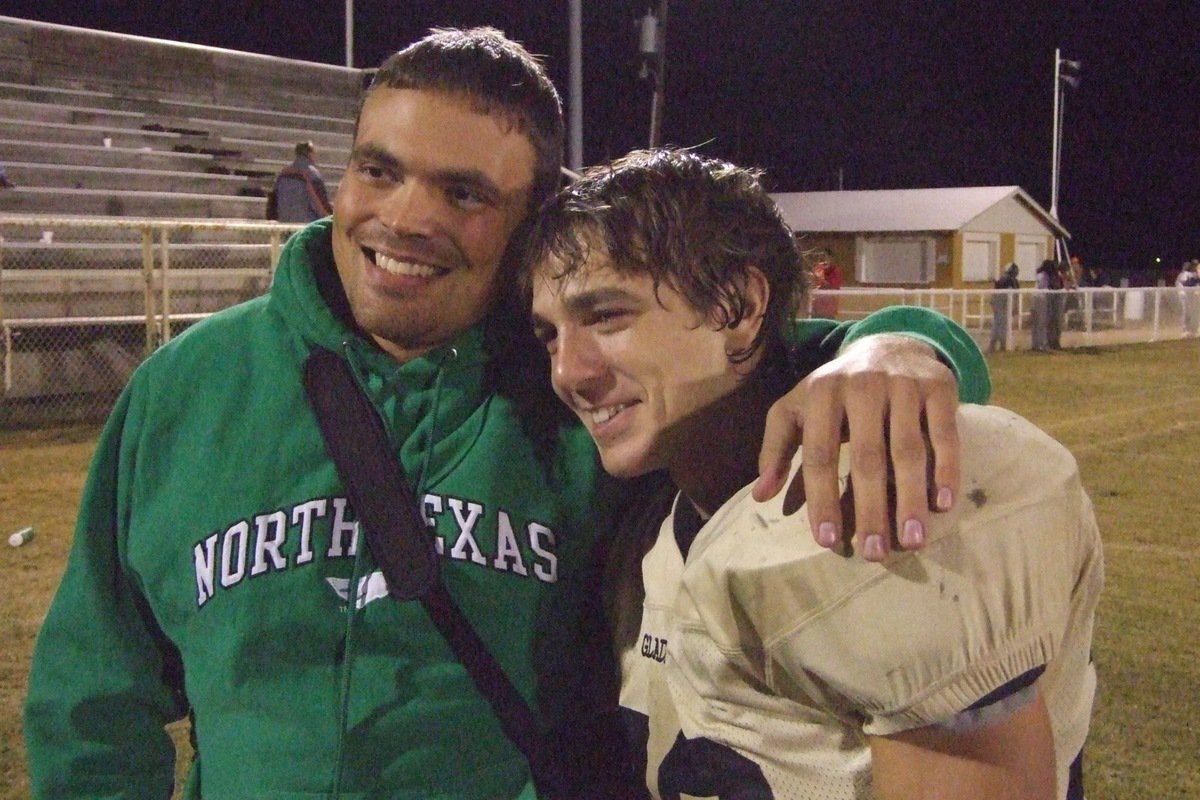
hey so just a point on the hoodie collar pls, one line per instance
(431, 404)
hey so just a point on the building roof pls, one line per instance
(948, 209)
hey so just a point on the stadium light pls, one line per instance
(1066, 75)
(652, 49)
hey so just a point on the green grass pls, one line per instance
(1131, 415)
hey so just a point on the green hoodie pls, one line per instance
(215, 554)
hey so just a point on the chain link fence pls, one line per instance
(84, 300)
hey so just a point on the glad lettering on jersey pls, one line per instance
(654, 647)
(282, 539)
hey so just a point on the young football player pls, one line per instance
(756, 664)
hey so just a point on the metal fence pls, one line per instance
(84, 300)
(1088, 317)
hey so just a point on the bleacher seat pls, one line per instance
(123, 129)
(95, 123)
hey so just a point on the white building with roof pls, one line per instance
(936, 238)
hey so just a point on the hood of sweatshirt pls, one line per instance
(435, 404)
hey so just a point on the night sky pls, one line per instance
(878, 95)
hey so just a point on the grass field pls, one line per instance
(1130, 414)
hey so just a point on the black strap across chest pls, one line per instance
(398, 539)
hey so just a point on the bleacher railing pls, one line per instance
(84, 300)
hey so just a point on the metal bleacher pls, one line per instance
(96, 123)
(127, 155)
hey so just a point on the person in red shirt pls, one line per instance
(827, 275)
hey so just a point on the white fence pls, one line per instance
(1090, 317)
(84, 300)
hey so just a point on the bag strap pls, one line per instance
(399, 540)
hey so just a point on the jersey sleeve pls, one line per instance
(104, 681)
(954, 345)
(923, 637)
(1007, 583)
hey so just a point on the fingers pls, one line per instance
(893, 463)
(910, 465)
(941, 419)
(822, 438)
(867, 410)
(896, 405)
(819, 485)
(781, 438)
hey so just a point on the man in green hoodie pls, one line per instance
(217, 573)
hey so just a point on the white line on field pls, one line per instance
(1156, 549)
(1125, 411)
(1104, 443)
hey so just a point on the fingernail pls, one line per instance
(827, 534)
(945, 499)
(913, 533)
(873, 548)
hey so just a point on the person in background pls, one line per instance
(754, 663)
(1002, 303)
(826, 275)
(299, 193)
(1071, 274)
(1076, 271)
(1188, 283)
(217, 572)
(1047, 308)
(1092, 278)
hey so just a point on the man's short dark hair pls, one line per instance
(304, 149)
(692, 223)
(497, 75)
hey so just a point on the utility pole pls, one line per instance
(575, 99)
(350, 33)
(1066, 74)
(653, 50)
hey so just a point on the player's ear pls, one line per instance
(755, 292)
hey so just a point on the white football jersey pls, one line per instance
(764, 661)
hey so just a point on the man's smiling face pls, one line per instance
(422, 216)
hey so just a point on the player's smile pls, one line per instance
(606, 423)
(634, 361)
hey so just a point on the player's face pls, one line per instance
(423, 213)
(636, 366)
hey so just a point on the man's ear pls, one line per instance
(755, 293)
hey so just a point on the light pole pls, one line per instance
(653, 50)
(575, 107)
(350, 33)
(1066, 74)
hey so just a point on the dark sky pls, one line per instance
(922, 93)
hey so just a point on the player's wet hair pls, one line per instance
(497, 75)
(692, 223)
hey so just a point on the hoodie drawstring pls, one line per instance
(352, 608)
